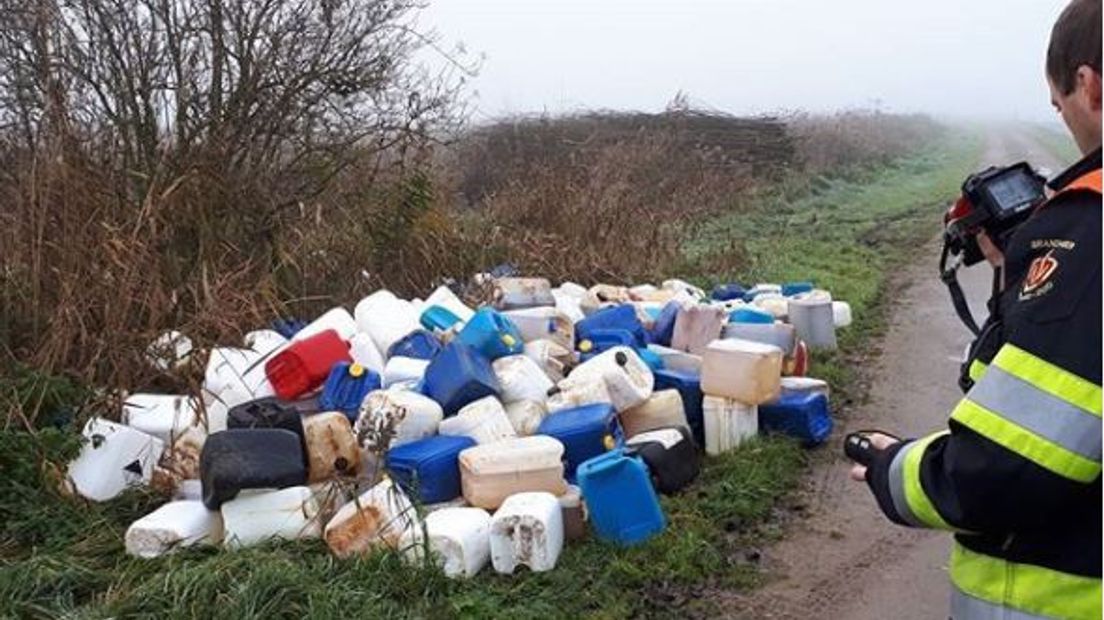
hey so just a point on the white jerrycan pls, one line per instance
(288, 514)
(172, 526)
(401, 371)
(728, 423)
(164, 416)
(663, 409)
(484, 421)
(459, 539)
(490, 473)
(628, 379)
(396, 417)
(526, 416)
(337, 319)
(386, 318)
(520, 378)
(527, 530)
(113, 458)
(749, 372)
(380, 517)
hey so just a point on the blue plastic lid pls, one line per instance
(438, 317)
(796, 288)
(750, 315)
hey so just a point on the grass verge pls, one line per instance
(62, 557)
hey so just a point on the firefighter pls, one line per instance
(1016, 476)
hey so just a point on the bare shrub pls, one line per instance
(609, 209)
(180, 163)
(826, 143)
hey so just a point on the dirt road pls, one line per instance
(845, 561)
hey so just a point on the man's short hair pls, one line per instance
(1074, 42)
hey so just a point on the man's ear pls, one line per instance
(1089, 84)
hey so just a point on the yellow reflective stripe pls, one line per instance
(1055, 380)
(977, 369)
(1025, 443)
(918, 502)
(1025, 587)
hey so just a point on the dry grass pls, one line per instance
(92, 275)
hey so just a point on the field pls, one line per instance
(844, 224)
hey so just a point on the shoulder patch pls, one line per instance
(1038, 281)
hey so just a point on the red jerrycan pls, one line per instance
(304, 365)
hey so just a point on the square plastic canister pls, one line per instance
(623, 505)
(585, 432)
(457, 376)
(429, 469)
(801, 415)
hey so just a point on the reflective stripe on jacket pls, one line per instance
(1017, 474)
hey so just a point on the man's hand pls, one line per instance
(881, 442)
(990, 250)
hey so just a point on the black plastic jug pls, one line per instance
(259, 458)
(671, 456)
(266, 413)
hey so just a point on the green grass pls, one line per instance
(846, 234)
(60, 556)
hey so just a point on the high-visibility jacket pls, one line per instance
(1016, 475)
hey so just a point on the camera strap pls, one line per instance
(948, 272)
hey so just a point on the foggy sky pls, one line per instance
(971, 58)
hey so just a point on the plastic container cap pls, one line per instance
(508, 340)
(356, 370)
(585, 346)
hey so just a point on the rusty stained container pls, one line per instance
(573, 510)
(527, 530)
(180, 461)
(520, 293)
(490, 473)
(331, 446)
(380, 517)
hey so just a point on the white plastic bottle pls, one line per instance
(459, 538)
(527, 529)
(397, 417)
(520, 378)
(484, 421)
(174, 525)
(337, 319)
(164, 416)
(403, 371)
(253, 518)
(628, 379)
(114, 458)
(386, 318)
(728, 424)
(366, 353)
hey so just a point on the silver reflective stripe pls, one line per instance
(1045, 415)
(966, 607)
(897, 486)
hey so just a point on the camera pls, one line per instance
(995, 200)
